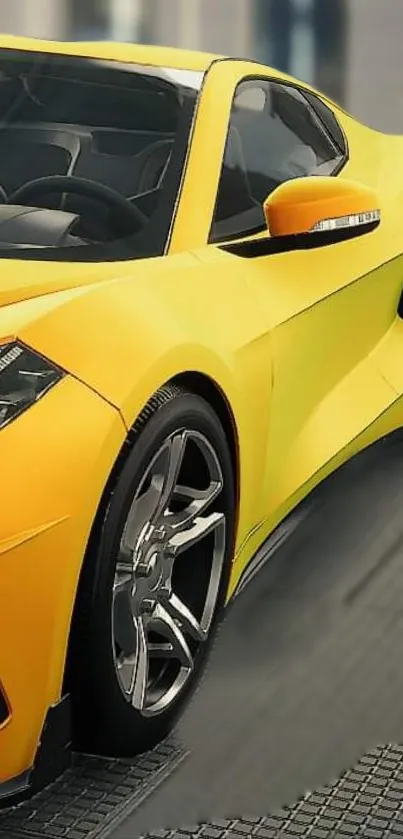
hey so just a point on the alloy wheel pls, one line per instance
(168, 572)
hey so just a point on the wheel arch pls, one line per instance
(200, 385)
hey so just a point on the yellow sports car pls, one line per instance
(200, 319)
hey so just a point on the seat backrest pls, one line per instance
(28, 153)
(107, 160)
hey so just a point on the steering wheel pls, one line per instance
(128, 217)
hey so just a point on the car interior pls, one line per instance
(94, 150)
(92, 154)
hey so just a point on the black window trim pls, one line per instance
(340, 162)
(318, 119)
(316, 101)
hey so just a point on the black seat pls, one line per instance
(154, 161)
(30, 153)
(129, 174)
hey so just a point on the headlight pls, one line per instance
(24, 378)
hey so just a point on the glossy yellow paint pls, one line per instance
(110, 51)
(54, 470)
(306, 347)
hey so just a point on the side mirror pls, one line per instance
(320, 205)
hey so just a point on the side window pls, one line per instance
(329, 121)
(275, 134)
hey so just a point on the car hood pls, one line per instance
(24, 280)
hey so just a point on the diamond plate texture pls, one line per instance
(366, 801)
(91, 797)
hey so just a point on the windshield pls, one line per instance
(96, 150)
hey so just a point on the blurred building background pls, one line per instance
(351, 49)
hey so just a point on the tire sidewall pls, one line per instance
(120, 728)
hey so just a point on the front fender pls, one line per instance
(127, 337)
(124, 337)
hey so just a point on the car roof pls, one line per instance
(149, 55)
(108, 50)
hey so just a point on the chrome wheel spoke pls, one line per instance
(140, 675)
(150, 505)
(164, 624)
(132, 667)
(200, 500)
(126, 669)
(142, 512)
(187, 621)
(123, 623)
(173, 455)
(200, 528)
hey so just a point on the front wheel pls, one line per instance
(153, 586)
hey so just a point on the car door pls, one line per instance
(326, 388)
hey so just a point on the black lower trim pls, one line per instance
(52, 758)
(54, 752)
(305, 508)
(274, 542)
(14, 790)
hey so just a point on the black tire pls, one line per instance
(104, 722)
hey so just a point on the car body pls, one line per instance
(299, 352)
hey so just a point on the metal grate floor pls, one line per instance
(95, 795)
(87, 801)
(366, 801)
